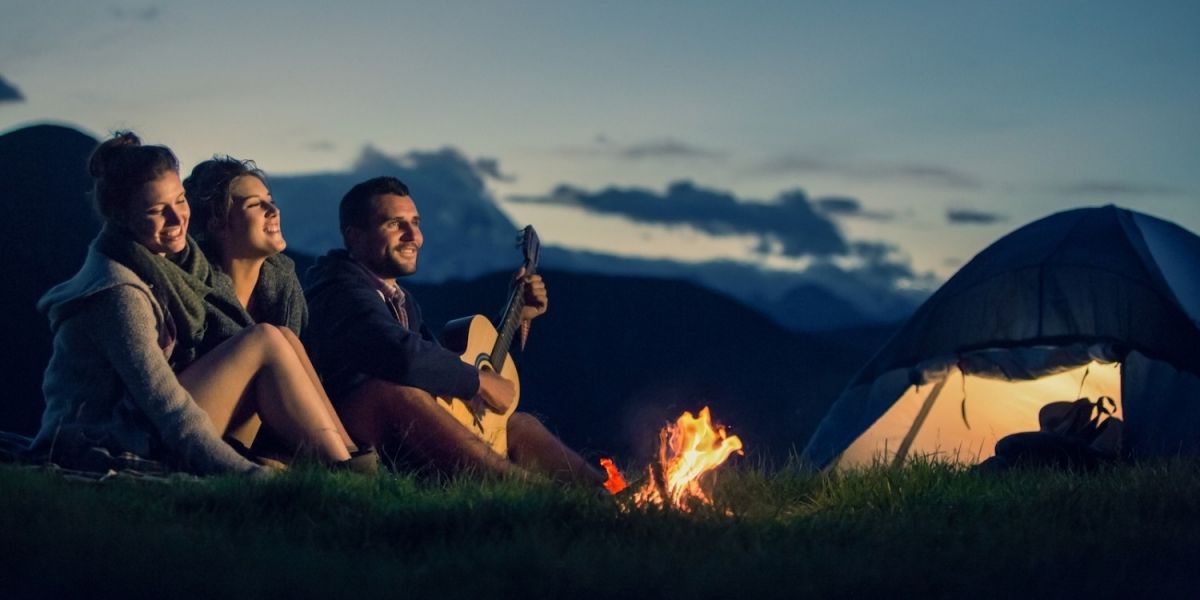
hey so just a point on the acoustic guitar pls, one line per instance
(486, 347)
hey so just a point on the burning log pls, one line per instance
(688, 449)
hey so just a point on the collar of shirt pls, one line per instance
(387, 288)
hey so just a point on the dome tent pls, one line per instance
(1086, 302)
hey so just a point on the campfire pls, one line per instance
(688, 449)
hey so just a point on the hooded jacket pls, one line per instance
(109, 383)
(353, 336)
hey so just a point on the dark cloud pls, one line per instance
(9, 92)
(789, 221)
(837, 206)
(917, 173)
(146, 14)
(883, 264)
(662, 149)
(967, 216)
(490, 167)
(1116, 188)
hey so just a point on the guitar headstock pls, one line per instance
(531, 248)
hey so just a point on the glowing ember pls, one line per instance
(615, 482)
(688, 449)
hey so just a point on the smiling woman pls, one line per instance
(241, 233)
(240, 230)
(152, 353)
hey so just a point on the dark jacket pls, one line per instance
(353, 336)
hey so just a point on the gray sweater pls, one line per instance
(108, 382)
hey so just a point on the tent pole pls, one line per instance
(923, 414)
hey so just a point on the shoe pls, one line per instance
(363, 460)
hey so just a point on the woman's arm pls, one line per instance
(122, 323)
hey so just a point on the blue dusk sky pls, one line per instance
(933, 127)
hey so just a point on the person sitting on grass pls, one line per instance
(152, 353)
(240, 231)
(383, 367)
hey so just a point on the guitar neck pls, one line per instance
(510, 322)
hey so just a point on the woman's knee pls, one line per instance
(288, 335)
(267, 338)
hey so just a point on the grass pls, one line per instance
(928, 529)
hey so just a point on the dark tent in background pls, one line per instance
(1087, 302)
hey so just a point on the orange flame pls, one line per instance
(615, 482)
(687, 450)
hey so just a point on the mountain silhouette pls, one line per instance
(44, 187)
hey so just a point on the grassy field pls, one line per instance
(926, 530)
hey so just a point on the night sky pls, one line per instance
(931, 127)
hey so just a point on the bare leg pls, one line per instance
(302, 354)
(259, 355)
(533, 447)
(380, 412)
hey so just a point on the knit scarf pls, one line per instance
(199, 301)
(278, 298)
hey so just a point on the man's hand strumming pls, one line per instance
(495, 391)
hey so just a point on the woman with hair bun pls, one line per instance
(153, 354)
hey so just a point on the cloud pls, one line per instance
(146, 14)
(321, 146)
(491, 168)
(884, 266)
(659, 149)
(838, 206)
(465, 233)
(789, 223)
(667, 148)
(967, 216)
(9, 92)
(913, 173)
(1116, 188)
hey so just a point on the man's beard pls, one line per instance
(392, 265)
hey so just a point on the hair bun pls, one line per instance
(109, 151)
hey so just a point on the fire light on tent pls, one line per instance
(1089, 302)
(960, 416)
(688, 449)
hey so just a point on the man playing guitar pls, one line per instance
(387, 374)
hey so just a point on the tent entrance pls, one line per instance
(959, 417)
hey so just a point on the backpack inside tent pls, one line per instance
(1084, 303)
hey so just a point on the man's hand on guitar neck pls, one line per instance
(495, 391)
(536, 298)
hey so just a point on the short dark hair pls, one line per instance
(208, 189)
(355, 207)
(122, 167)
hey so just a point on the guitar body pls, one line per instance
(474, 338)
